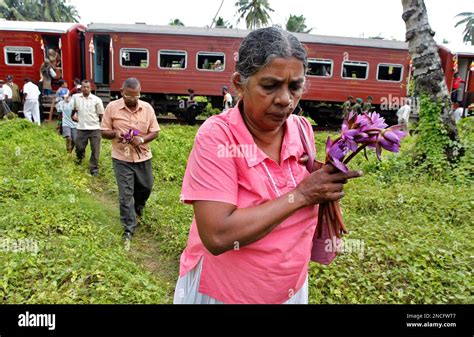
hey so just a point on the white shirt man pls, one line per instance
(31, 106)
(403, 114)
(457, 114)
(7, 92)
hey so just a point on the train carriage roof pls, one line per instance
(239, 33)
(38, 26)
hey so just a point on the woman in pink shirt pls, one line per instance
(255, 204)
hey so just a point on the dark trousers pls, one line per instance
(135, 182)
(94, 137)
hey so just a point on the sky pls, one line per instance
(351, 18)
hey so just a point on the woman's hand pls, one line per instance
(304, 159)
(325, 184)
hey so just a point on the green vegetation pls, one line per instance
(416, 228)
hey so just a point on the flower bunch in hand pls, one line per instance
(358, 133)
(127, 138)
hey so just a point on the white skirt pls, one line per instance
(187, 290)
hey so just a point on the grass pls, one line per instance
(412, 232)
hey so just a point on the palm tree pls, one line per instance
(38, 10)
(296, 24)
(255, 12)
(176, 22)
(468, 19)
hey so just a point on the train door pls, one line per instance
(102, 59)
(52, 51)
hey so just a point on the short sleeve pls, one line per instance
(154, 126)
(99, 106)
(106, 124)
(210, 174)
(308, 129)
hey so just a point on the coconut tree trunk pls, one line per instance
(428, 74)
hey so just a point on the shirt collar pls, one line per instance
(291, 145)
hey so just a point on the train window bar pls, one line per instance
(320, 67)
(355, 70)
(387, 72)
(172, 59)
(210, 61)
(134, 58)
(18, 56)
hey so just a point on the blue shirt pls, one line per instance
(66, 108)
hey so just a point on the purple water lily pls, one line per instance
(358, 132)
(389, 139)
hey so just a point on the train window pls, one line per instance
(18, 56)
(355, 70)
(134, 58)
(175, 59)
(389, 72)
(210, 61)
(320, 67)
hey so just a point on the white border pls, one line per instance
(352, 78)
(210, 53)
(138, 50)
(176, 52)
(315, 60)
(390, 64)
(18, 64)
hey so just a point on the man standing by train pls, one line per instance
(87, 112)
(131, 125)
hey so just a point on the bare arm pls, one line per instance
(222, 225)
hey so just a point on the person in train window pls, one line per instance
(248, 243)
(218, 65)
(206, 64)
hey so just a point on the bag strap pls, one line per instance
(308, 149)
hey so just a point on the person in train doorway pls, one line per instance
(76, 88)
(16, 100)
(346, 106)
(87, 112)
(357, 107)
(456, 94)
(227, 102)
(367, 104)
(131, 125)
(47, 74)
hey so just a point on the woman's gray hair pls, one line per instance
(131, 83)
(262, 46)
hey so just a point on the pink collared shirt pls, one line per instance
(119, 117)
(226, 165)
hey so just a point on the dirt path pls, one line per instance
(145, 249)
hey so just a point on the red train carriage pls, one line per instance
(170, 60)
(25, 45)
(459, 59)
